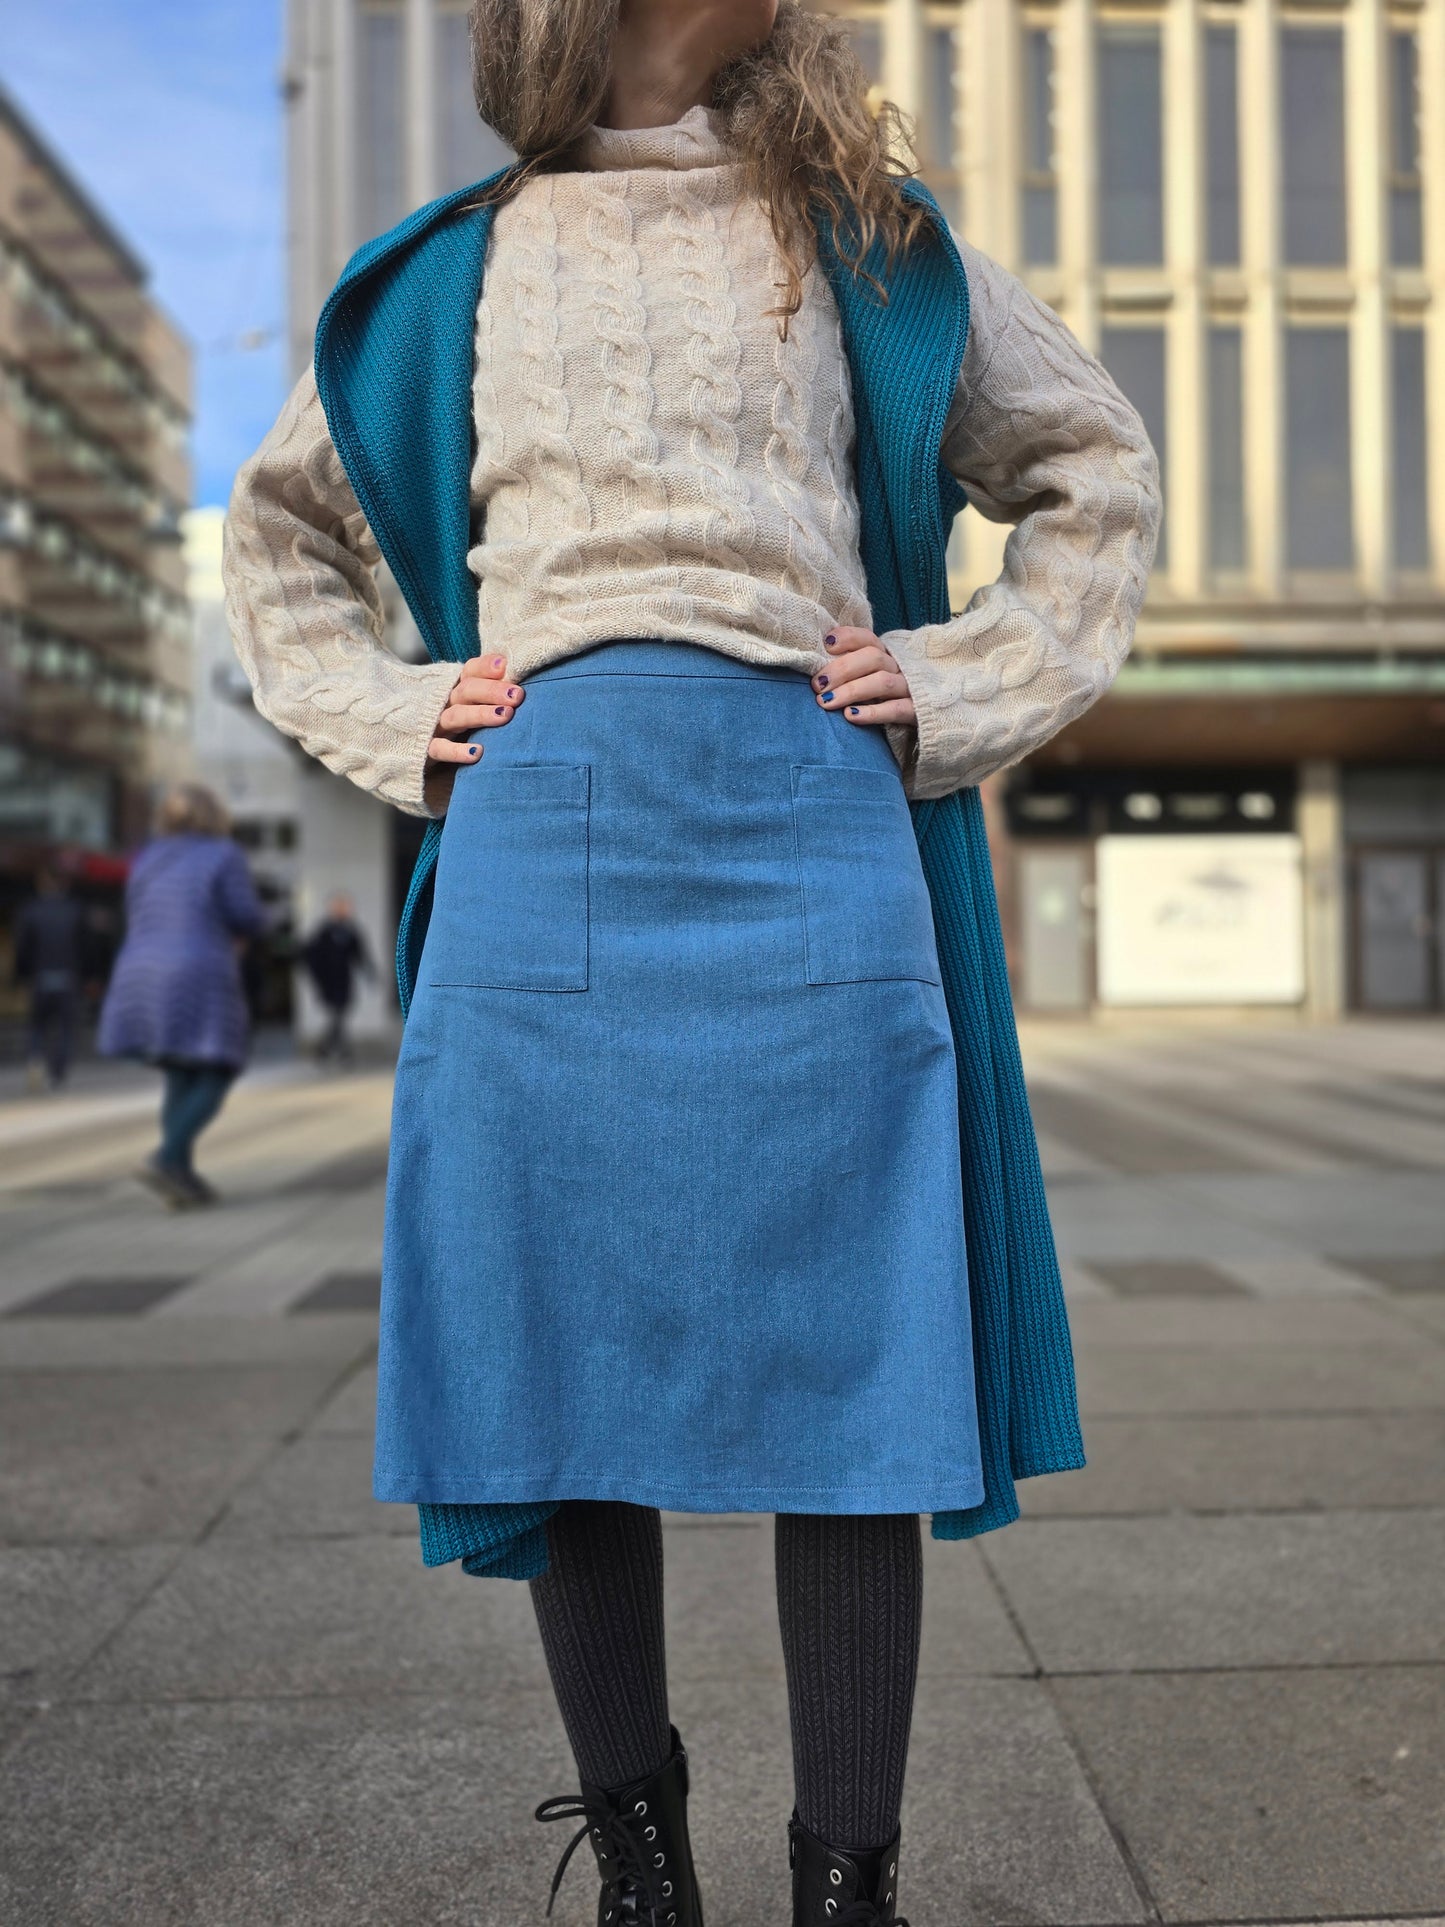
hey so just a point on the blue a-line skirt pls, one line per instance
(674, 1212)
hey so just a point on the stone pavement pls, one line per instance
(1200, 1681)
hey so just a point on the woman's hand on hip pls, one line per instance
(863, 681)
(481, 698)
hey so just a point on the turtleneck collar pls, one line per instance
(694, 141)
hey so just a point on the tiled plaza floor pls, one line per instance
(1201, 1681)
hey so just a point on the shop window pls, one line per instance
(1312, 146)
(1320, 522)
(1406, 231)
(1131, 149)
(1407, 398)
(1136, 358)
(1040, 207)
(1221, 144)
(1226, 449)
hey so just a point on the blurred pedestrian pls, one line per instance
(335, 955)
(49, 942)
(175, 997)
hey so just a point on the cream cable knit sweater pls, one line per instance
(652, 460)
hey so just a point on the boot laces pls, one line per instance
(638, 1884)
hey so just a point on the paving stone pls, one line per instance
(327, 1616)
(1273, 1795)
(57, 1604)
(1245, 1464)
(352, 1408)
(342, 1291)
(99, 1298)
(1163, 1278)
(140, 1454)
(1120, 1595)
(1194, 1381)
(169, 1343)
(1345, 1213)
(346, 1813)
(1423, 1311)
(316, 1487)
(1350, 1323)
(1425, 1274)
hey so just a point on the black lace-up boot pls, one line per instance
(832, 1888)
(639, 1835)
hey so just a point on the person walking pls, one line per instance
(175, 997)
(712, 1180)
(49, 960)
(335, 955)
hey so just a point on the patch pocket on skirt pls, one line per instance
(866, 910)
(510, 910)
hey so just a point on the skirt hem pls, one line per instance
(955, 1492)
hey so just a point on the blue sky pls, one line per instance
(169, 113)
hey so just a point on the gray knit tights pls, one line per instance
(850, 1598)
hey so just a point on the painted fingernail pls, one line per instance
(830, 642)
(514, 693)
(496, 662)
(853, 709)
(828, 696)
(822, 681)
(500, 712)
(474, 751)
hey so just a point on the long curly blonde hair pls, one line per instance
(794, 112)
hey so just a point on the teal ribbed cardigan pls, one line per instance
(394, 368)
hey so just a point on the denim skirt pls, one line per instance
(674, 1213)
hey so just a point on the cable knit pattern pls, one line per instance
(1040, 436)
(653, 460)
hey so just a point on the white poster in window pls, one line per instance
(1200, 920)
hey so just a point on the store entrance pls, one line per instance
(1398, 903)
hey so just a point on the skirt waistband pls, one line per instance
(648, 656)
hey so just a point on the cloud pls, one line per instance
(169, 114)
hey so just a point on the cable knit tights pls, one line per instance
(850, 1599)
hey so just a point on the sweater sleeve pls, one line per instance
(1040, 436)
(307, 621)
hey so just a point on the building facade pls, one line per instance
(94, 477)
(1240, 206)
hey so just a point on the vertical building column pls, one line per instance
(905, 54)
(991, 153)
(1186, 484)
(1372, 468)
(1078, 169)
(1322, 848)
(1263, 328)
(421, 111)
(1432, 165)
(345, 83)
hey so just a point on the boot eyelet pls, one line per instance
(835, 1876)
(641, 1807)
(830, 1906)
(893, 1870)
(667, 1890)
(649, 1833)
(659, 1860)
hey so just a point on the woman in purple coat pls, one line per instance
(175, 998)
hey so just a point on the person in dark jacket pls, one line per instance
(175, 997)
(49, 941)
(335, 955)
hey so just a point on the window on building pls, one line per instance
(1407, 399)
(868, 39)
(1221, 144)
(1131, 152)
(938, 132)
(1312, 145)
(1040, 209)
(1406, 232)
(381, 130)
(466, 147)
(1319, 522)
(1135, 357)
(1227, 550)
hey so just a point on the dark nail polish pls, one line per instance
(853, 709)
(513, 693)
(830, 642)
(822, 682)
(828, 696)
(474, 751)
(500, 712)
